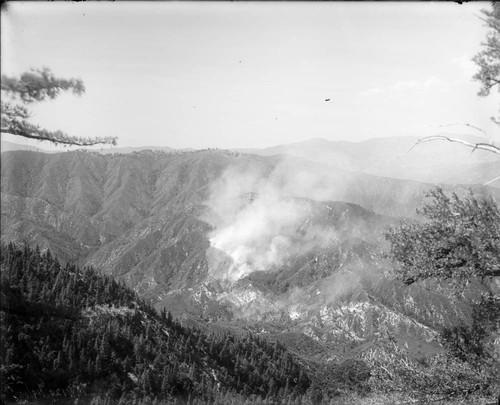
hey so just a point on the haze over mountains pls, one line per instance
(434, 162)
(287, 244)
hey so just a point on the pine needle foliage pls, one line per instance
(39, 85)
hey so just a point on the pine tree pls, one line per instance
(36, 86)
(488, 59)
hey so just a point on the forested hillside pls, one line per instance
(72, 333)
(174, 228)
(69, 332)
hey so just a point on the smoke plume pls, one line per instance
(258, 220)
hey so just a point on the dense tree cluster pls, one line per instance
(72, 332)
(488, 59)
(431, 379)
(474, 343)
(458, 240)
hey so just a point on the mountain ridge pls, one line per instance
(112, 193)
(279, 245)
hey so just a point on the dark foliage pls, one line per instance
(35, 86)
(488, 59)
(72, 332)
(473, 343)
(458, 241)
(331, 379)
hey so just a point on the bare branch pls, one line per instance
(474, 146)
(491, 181)
(466, 124)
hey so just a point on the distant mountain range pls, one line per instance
(393, 157)
(432, 162)
(7, 146)
(281, 243)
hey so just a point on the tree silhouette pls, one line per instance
(458, 241)
(488, 61)
(36, 86)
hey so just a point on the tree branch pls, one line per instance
(39, 85)
(466, 124)
(64, 140)
(474, 146)
(491, 181)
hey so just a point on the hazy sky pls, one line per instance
(198, 74)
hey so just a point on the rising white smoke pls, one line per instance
(258, 221)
